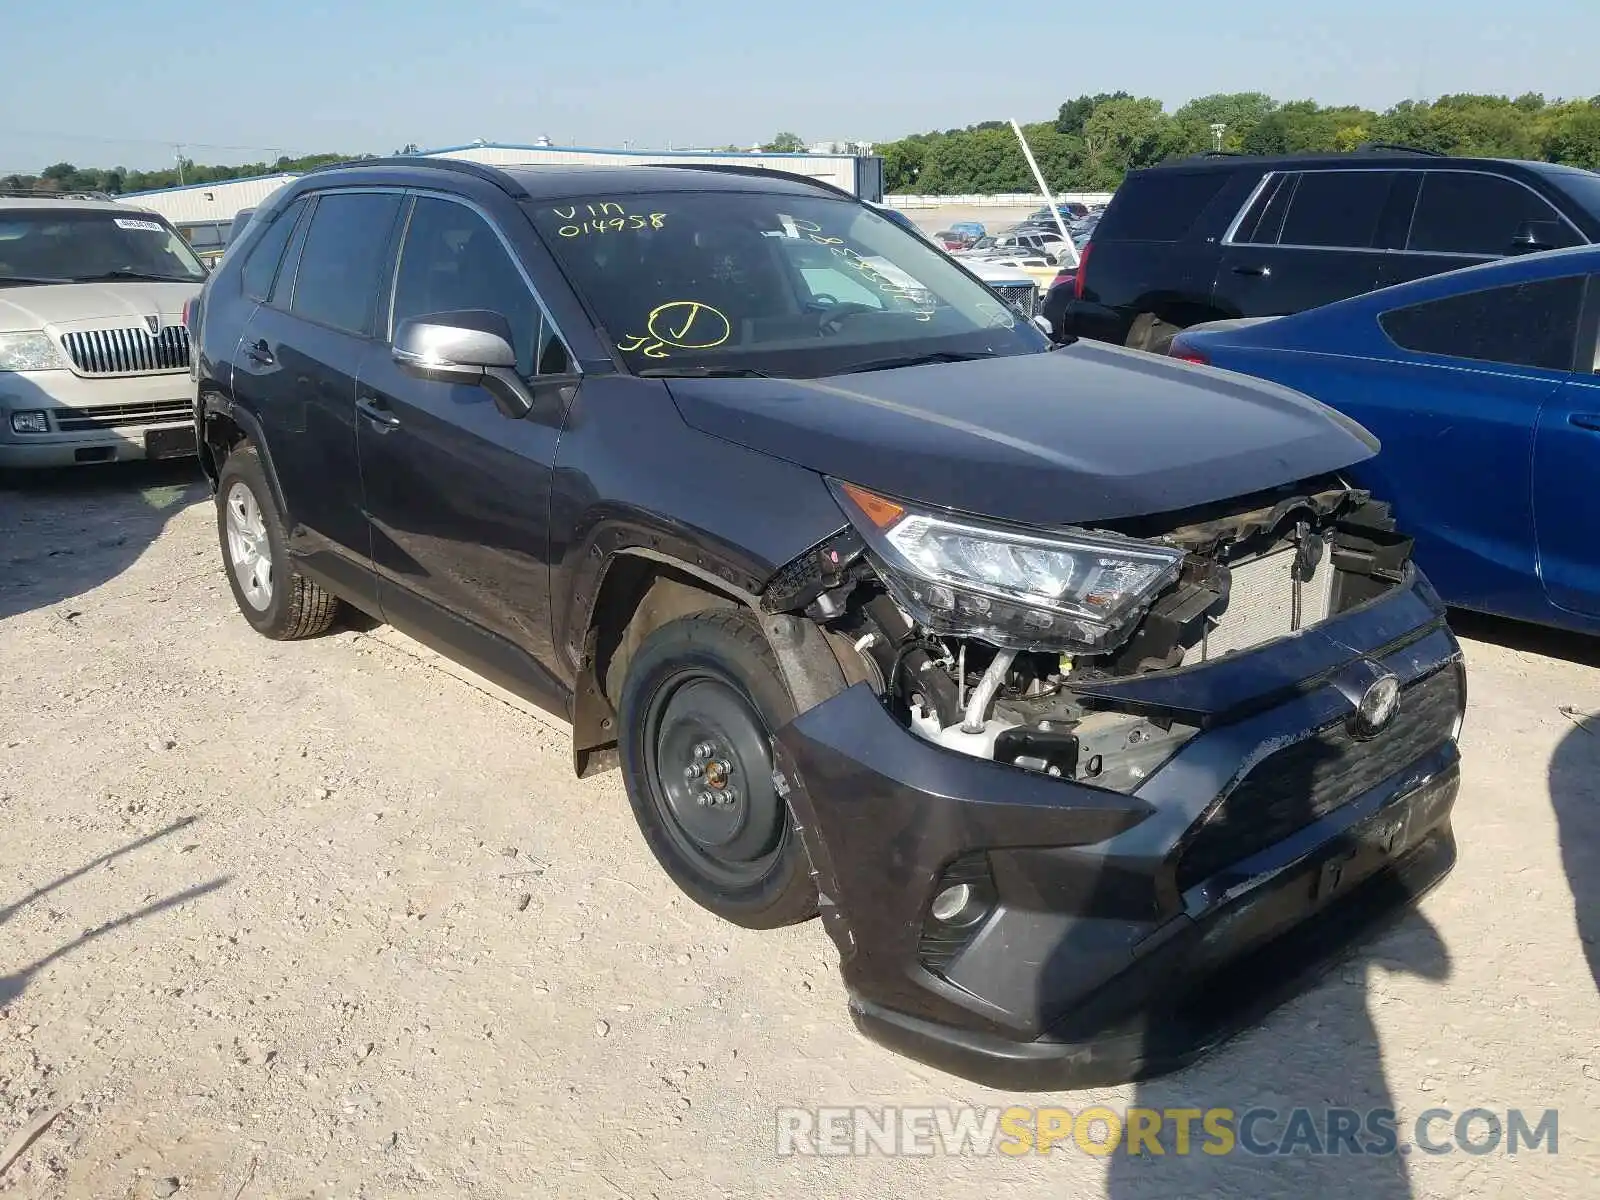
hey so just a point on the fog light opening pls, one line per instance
(956, 905)
(30, 422)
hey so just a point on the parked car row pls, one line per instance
(94, 356)
(1083, 695)
(1473, 361)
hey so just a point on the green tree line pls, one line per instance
(65, 177)
(1092, 142)
(1095, 140)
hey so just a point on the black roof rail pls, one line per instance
(752, 169)
(461, 166)
(1396, 148)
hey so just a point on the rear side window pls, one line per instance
(1462, 213)
(261, 268)
(1265, 218)
(1523, 325)
(338, 279)
(1336, 208)
(1160, 206)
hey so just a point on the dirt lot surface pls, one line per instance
(326, 919)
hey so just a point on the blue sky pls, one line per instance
(102, 82)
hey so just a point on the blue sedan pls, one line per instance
(1482, 386)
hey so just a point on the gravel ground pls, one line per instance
(330, 919)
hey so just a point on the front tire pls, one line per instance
(274, 597)
(698, 706)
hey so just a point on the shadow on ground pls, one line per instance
(12, 985)
(1318, 1054)
(1575, 793)
(63, 533)
(1580, 648)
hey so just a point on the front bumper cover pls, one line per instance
(1092, 964)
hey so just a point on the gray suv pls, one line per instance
(94, 356)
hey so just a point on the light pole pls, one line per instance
(1217, 130)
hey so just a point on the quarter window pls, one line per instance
(1160, 205)
(1463, 213)
(261, 268)
(1525, 325)
(453, 260)
(341, 265)
(1336, 208)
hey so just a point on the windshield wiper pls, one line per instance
(9, 279)
(702, 373)
(140, 275)
(917, 360)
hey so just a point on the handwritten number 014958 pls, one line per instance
(608, 217)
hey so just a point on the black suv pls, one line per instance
(1074, 688)
(1225, 235)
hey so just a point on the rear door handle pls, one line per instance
(373, 410)
(1245, 270)
(259, 353)
(1585, 420)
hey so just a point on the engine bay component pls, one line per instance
(988, 640)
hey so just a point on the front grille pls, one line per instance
(1304, 782)
(1024, 297)
(114, 416)
(131, 351)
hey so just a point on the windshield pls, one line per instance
(772, 283)
(58, 245)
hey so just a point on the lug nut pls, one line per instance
(693, 771)
(704, 800)
(730, 795)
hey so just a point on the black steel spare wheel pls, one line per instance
(712, 776)
(698, 705)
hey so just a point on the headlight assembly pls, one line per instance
(1020, 589)
(30, 351)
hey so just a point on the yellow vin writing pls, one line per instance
(604, 217)
(680, 325)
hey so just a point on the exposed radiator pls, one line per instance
(1261, 604)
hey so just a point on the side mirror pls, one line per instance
(472, 346)
(1533, 236)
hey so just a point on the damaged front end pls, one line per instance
(1086, 774)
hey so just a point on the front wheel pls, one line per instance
(698, 707)
(276, 599)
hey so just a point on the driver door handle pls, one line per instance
(257, 352)
(1585, 420)
(1263, 272)
(375, 411)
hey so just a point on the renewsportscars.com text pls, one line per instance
(1102, 1131)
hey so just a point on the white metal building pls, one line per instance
(200, 203)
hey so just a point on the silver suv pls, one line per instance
(94, 356)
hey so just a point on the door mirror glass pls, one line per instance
(457, 345)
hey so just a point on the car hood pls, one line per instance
(1082, 434)
(83, 305)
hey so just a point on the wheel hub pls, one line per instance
(715, 789)
(249, 551)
